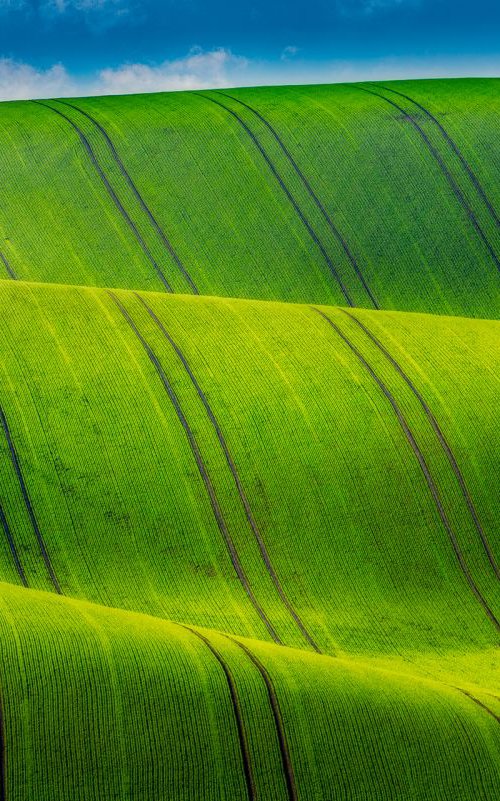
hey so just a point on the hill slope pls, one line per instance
(249, 445)
(370, 195)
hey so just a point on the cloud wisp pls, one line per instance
(219, 68)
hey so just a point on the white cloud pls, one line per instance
(289, 52)
(198, 70)
(20, 81)
(221, 68)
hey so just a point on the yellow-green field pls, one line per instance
(250, 445)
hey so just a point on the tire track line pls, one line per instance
(423, 466)
(12, 547)
(217, 512)
(236, 478)
(8, 267)
(477, 702)
(278, 720)
(305, 181)
(27, 502)
(441, 437)
(111, 192)
(444, 169)
(235, 702)
(128, 178)
(287, 192)
(465, 164)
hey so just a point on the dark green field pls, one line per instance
(250, 445)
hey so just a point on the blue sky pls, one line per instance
(94, 46)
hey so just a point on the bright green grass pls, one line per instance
(125, 514)
(353, 730)
(258, 471)
(423, 233)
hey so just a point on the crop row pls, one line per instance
(275, 443)
(122, 704)
(286, 194)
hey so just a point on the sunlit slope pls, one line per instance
(120, 705)
(219, 463)
(370, 195)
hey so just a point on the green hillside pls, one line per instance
(249, 445)
(325, 194)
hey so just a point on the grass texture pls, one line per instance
(365, 195)
(249, 445)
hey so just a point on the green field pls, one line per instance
(249, 445)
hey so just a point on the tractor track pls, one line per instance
(121, 166)
(423, 466)
(478, 703)
(278, 720)
(441, 437)
(444, 169)
(217, 512)
(27, 502)
(114, 197)
(8, 267)
(242, 737)
(465, 164)
(237, 481)
(305, 181)
(12, 547)
(314, 236)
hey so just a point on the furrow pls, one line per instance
(444, 169)
(114, 197)
(27, 502)
(236, 478)
(278, 720)
(221, 523)
(442, 441)
(12, 547)
(314, 236)
(479, 703)
(8, 267)
(242, 737)
(465, 164)
(318, 203)
(121, 166)
(3, 776)
(423, 466)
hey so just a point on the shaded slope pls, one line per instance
(104, 413)
(322, 194)
(313, 727)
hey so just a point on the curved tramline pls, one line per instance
(242, 737)
(425, 469)
(303, 218)
(137, 194)
(8, 268)
(14, 458)
(255, 434)
(111, 192)
(234, 472)
(336, 232)
(462, 200)
(286, 761)
(303, 194)
(221, 523)
(451, 142)
(441, 437)
(249, 445)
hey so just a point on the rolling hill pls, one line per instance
(249, 445)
